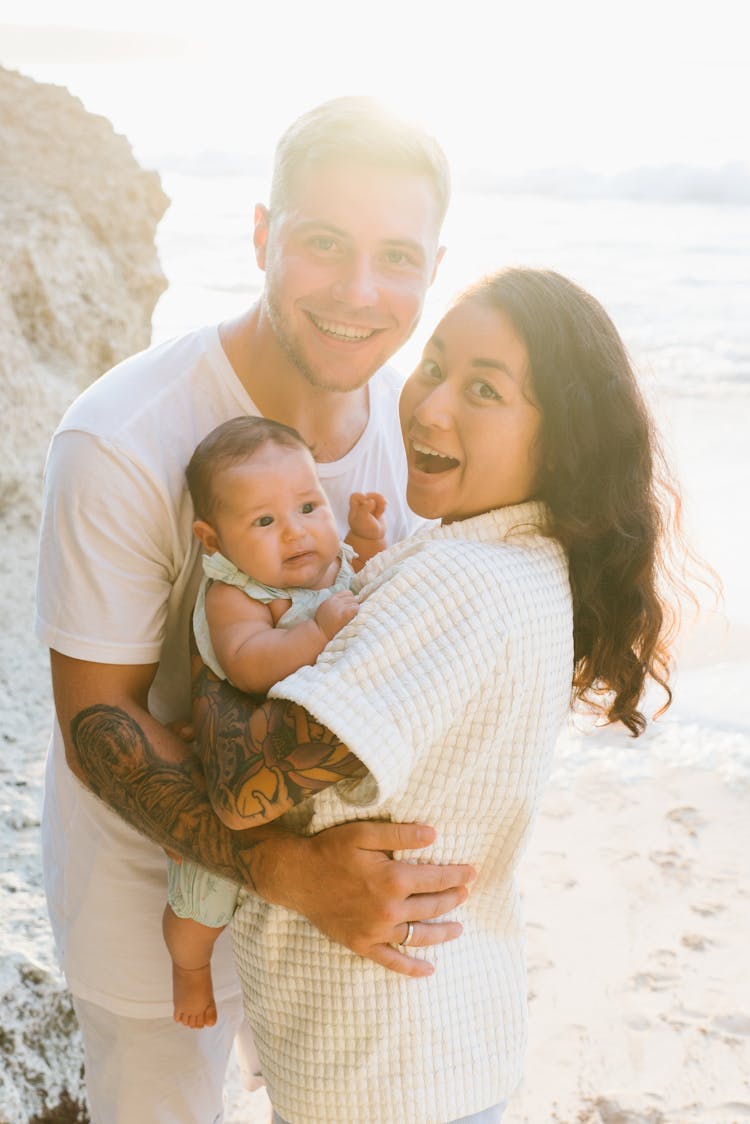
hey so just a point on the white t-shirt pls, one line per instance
(118, 573)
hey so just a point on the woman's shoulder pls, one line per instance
(497, 550)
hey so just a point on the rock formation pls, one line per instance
(79, 275)
(79, 278)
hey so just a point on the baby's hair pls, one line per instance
(232, 443)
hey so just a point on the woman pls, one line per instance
(526, 435)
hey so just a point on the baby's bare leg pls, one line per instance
(191, 945)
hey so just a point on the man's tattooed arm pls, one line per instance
(261, 757)
(164, 799)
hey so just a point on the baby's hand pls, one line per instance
(367, 515)
(336, 611)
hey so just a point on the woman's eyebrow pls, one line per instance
(479, 361)
(495, 365)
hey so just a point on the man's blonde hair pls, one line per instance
(363, 131)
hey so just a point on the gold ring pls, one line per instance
(409, 934)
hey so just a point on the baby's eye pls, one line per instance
(484, 389)
(263, 521)
(307, 508)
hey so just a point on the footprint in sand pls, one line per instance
(671, 862)
(696, 942)
(610, 1112)
(733, 1024)
(687, 817)
(655, 981)
(708, 909)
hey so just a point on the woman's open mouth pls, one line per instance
(429, 460)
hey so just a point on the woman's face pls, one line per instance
(468, 417)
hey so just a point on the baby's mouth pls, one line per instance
(429, 460)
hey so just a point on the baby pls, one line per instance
(275, 590)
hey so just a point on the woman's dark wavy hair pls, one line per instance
(602, 474)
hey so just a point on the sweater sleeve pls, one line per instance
(401, 673)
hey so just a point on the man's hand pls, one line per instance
(346, 883)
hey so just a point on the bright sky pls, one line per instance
(596, 83)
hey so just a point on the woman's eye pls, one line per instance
(263, 521)
(430, 368)
(307, 508)
(484, 389)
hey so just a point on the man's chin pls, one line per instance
(330, 383)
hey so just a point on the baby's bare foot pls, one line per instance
(193, 994)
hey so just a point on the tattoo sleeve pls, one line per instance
(261, 757)
(161, 799)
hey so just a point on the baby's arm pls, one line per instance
(253, 654)
(367, 527)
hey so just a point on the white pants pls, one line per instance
(155, 1071)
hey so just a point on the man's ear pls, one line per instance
(438, 258)
(260, 234)
(206, 535)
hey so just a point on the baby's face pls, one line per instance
(274, 521)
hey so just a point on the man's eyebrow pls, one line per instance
(479, 361)
(319, 224)
(401, 243)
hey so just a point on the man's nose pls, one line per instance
(356, 284)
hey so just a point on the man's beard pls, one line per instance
(293, 352)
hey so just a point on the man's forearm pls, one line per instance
(163, 799)
(261, 757)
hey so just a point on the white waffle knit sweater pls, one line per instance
(450, 685)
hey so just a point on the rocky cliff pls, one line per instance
(79, 275)
(79, 278)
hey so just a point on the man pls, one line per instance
(349, 246)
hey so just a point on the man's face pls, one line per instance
(348, 261)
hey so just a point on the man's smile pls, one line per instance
(342, 331)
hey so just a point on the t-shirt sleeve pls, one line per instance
(104, 575)
(395, 680)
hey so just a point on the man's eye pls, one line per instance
(397, 257)
(307, 508)
(430, 368)
(323, 242)
(263, 521)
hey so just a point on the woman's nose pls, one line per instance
(436, 408)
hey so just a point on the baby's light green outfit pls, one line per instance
(192, 890)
